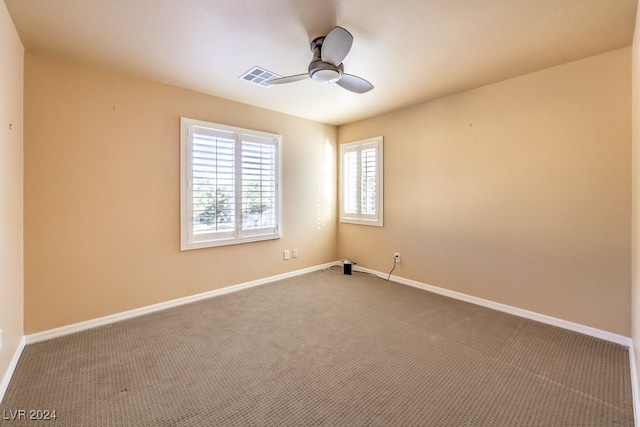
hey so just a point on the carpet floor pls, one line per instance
(324, 349)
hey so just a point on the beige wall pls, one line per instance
(635, 122)
(102, 194)
(518, 192)
(11, 229)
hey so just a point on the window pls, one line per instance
(361, 182)
(230, 185)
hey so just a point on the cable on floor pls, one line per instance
(329, 269)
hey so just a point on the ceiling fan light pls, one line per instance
(326, 76)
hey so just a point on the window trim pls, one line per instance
(188, 239)
(360, 218)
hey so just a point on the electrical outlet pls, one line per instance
(294, 253)
(285, 254)
(396, 257)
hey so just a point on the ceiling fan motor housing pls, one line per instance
(319, 70)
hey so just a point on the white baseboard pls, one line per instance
(576, 327)
(81, 326)
(11, 368)
(101, 321)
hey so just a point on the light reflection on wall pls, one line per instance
(327, 188)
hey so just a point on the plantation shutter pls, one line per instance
(368, 181)
(361, 182)
(259, 185)
(229, 185)
(351, 177)
(213, 185)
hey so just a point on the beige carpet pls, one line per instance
(325, 349)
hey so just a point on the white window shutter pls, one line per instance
(361, 182)
(230, 190)
(259, 193)
(213, 186)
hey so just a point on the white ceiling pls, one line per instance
(411, 50)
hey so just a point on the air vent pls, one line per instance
(259, 76)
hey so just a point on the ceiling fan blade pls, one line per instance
(288, 79)
(336, 46)
(354, 83)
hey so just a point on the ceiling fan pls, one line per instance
(326, 66)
